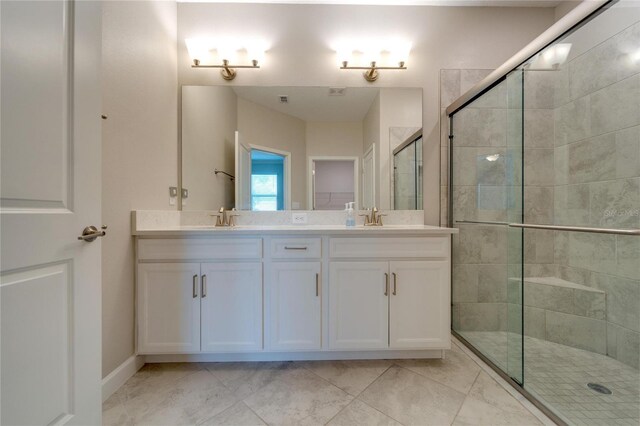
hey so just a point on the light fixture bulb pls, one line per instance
(256, 51)
(199, 50)
(371, 54)
(343, 54)
(227, 50)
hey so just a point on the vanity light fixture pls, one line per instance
(226, 52)
(393, 51)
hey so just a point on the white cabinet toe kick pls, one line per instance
(292, 297)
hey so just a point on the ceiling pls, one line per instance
(503, 3)
(312, 103)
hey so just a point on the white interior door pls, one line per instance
(243, 174)
(50, 190)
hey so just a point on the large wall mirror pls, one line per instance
(301, 148)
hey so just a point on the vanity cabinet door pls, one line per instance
(295, 294)
(359, 305)
(419, 304)
(168, 308)
(231, 303)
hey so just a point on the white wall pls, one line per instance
(565, 7)
(334, 138)
(262, 126)
(139, 149)
(209, 123)
(334, 176)
(301, 53)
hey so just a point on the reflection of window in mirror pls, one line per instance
(267, 181)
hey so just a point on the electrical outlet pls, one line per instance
(299, 218)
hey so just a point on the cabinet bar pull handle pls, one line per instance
(395, 282)
(386, 284)
(295, 248)
(203, 291)
(195, 286)
(317, 285)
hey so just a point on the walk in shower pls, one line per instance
(544, 187)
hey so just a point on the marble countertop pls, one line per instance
(184, 231)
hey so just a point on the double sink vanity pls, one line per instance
(291, 281)
(287, 292)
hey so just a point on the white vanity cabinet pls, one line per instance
(233, 294)
(358, 305)
(199, 295)
(168, 307)
(397, 304)
(231, 306)
(419, 304)
(193, 307)
(295, 315)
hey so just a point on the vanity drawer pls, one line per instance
(296, 248)
(199, 249)
(390, 248)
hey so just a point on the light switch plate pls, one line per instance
(299, 218)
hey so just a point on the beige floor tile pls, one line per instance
(188, 401)
(456, 370)
(358, 413)
(300, 398)
(113, 411)
(151, 376)
(475, 412)
(487, 390)
(413, 399)
(238, 414)
(245, 378)
(350, 376)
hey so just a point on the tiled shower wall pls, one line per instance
(581, 168)
(597, 182)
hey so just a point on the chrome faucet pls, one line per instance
(373, 218)
(223, 218)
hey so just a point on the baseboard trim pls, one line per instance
(295, 356)
(120, 375)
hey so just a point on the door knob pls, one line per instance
(90, 233)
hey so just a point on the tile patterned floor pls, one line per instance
(379, 392)
(558, 376)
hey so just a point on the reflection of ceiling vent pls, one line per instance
(337, 91)
(284, 99)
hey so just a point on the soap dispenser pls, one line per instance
(351, 219)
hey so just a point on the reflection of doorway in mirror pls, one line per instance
(369, 178)
(332, 182)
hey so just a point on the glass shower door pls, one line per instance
(486, 185)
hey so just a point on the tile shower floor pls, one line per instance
(455, 390)
(558, 376)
